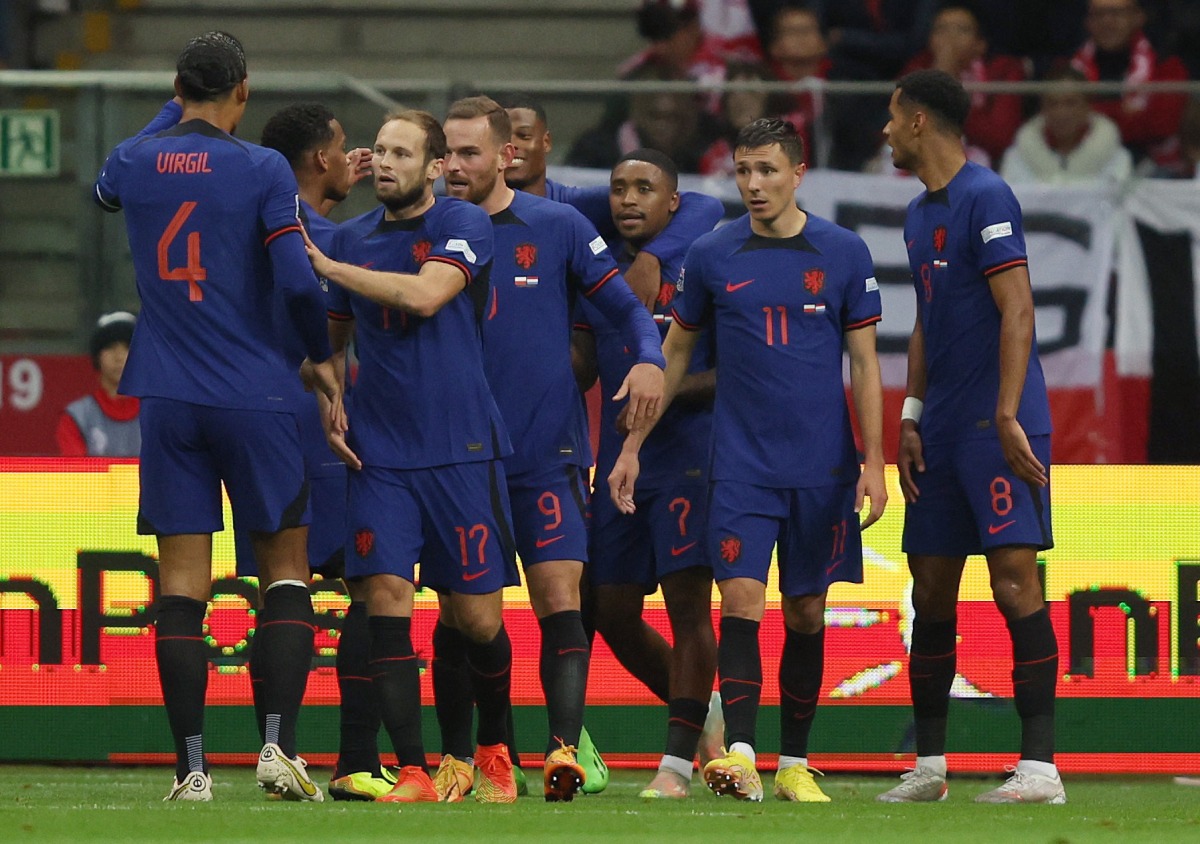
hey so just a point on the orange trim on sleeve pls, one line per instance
(600, 283)
(682, 323)
(278, 232)
(443, 259)
(863, 324)
(1007, 265)
(339, 317)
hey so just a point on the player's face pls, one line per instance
(475, 159)
(641, 200)
(767, 181)
(531, 144)
(337, 183)
(899, 135)
(402, 176)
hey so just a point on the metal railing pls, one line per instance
(100, 108)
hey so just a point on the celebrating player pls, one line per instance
(212, 228)
(783, 290)
(314, 143)
(662, 543)
(532, 142)
(974, 436)
(547, 255)
(427, 440)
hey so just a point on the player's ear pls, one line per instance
(547, 142)
(178, 88)
(798, 174)
(674, 206)
(434, 169)
(507, 153)
(320, 160)
(242, 91)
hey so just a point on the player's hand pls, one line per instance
(336, 423)
(1018, 453)
(622, 479)
(320, 262)
(910, 460)
(871, 485)
(644, 277)
(359, 161)
(644, 387)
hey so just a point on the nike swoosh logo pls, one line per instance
(306, 785)
(675, 552)
(542, 543)
(995, 529)
(469, 577)
(730, 286)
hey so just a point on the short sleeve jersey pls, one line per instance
(780, 308)
(421, 399)
(957, 239)
(677, 450)
(200, 208)
(547, 257)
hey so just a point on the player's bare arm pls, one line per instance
(422, 294)
(866, 383)
(340, 332)
(1014, 298)
(583, 359)
(911, 459)
(644, 276)
(677, 349)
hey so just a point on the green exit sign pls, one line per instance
(29, 143)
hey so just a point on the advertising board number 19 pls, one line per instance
(21, 385)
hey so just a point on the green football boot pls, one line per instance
(596, 772)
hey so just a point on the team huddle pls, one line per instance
(478, 318)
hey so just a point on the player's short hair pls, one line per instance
(435, 138)
(116, 327)
(210, 66)
(298, 129)
(521, 100)
(772, 130)
(468, 108)
(940, 93)
(659, 159)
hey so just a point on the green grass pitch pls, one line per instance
(40, 803)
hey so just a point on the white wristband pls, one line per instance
(912, 409)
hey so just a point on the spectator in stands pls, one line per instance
(958, 46)
(1067, 141)
(103, 423)
(741, 108)
(672, 123)
(868, 40)
(677, 42)
(1187, 165)
(797, 51)
(1118, 50)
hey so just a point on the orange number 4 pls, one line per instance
(193, 273)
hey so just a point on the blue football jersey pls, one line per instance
(547, 256)
(421, 398)
(957, 238)
(213, 230)
(697, 214)
(780, 308)
(676, 452)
